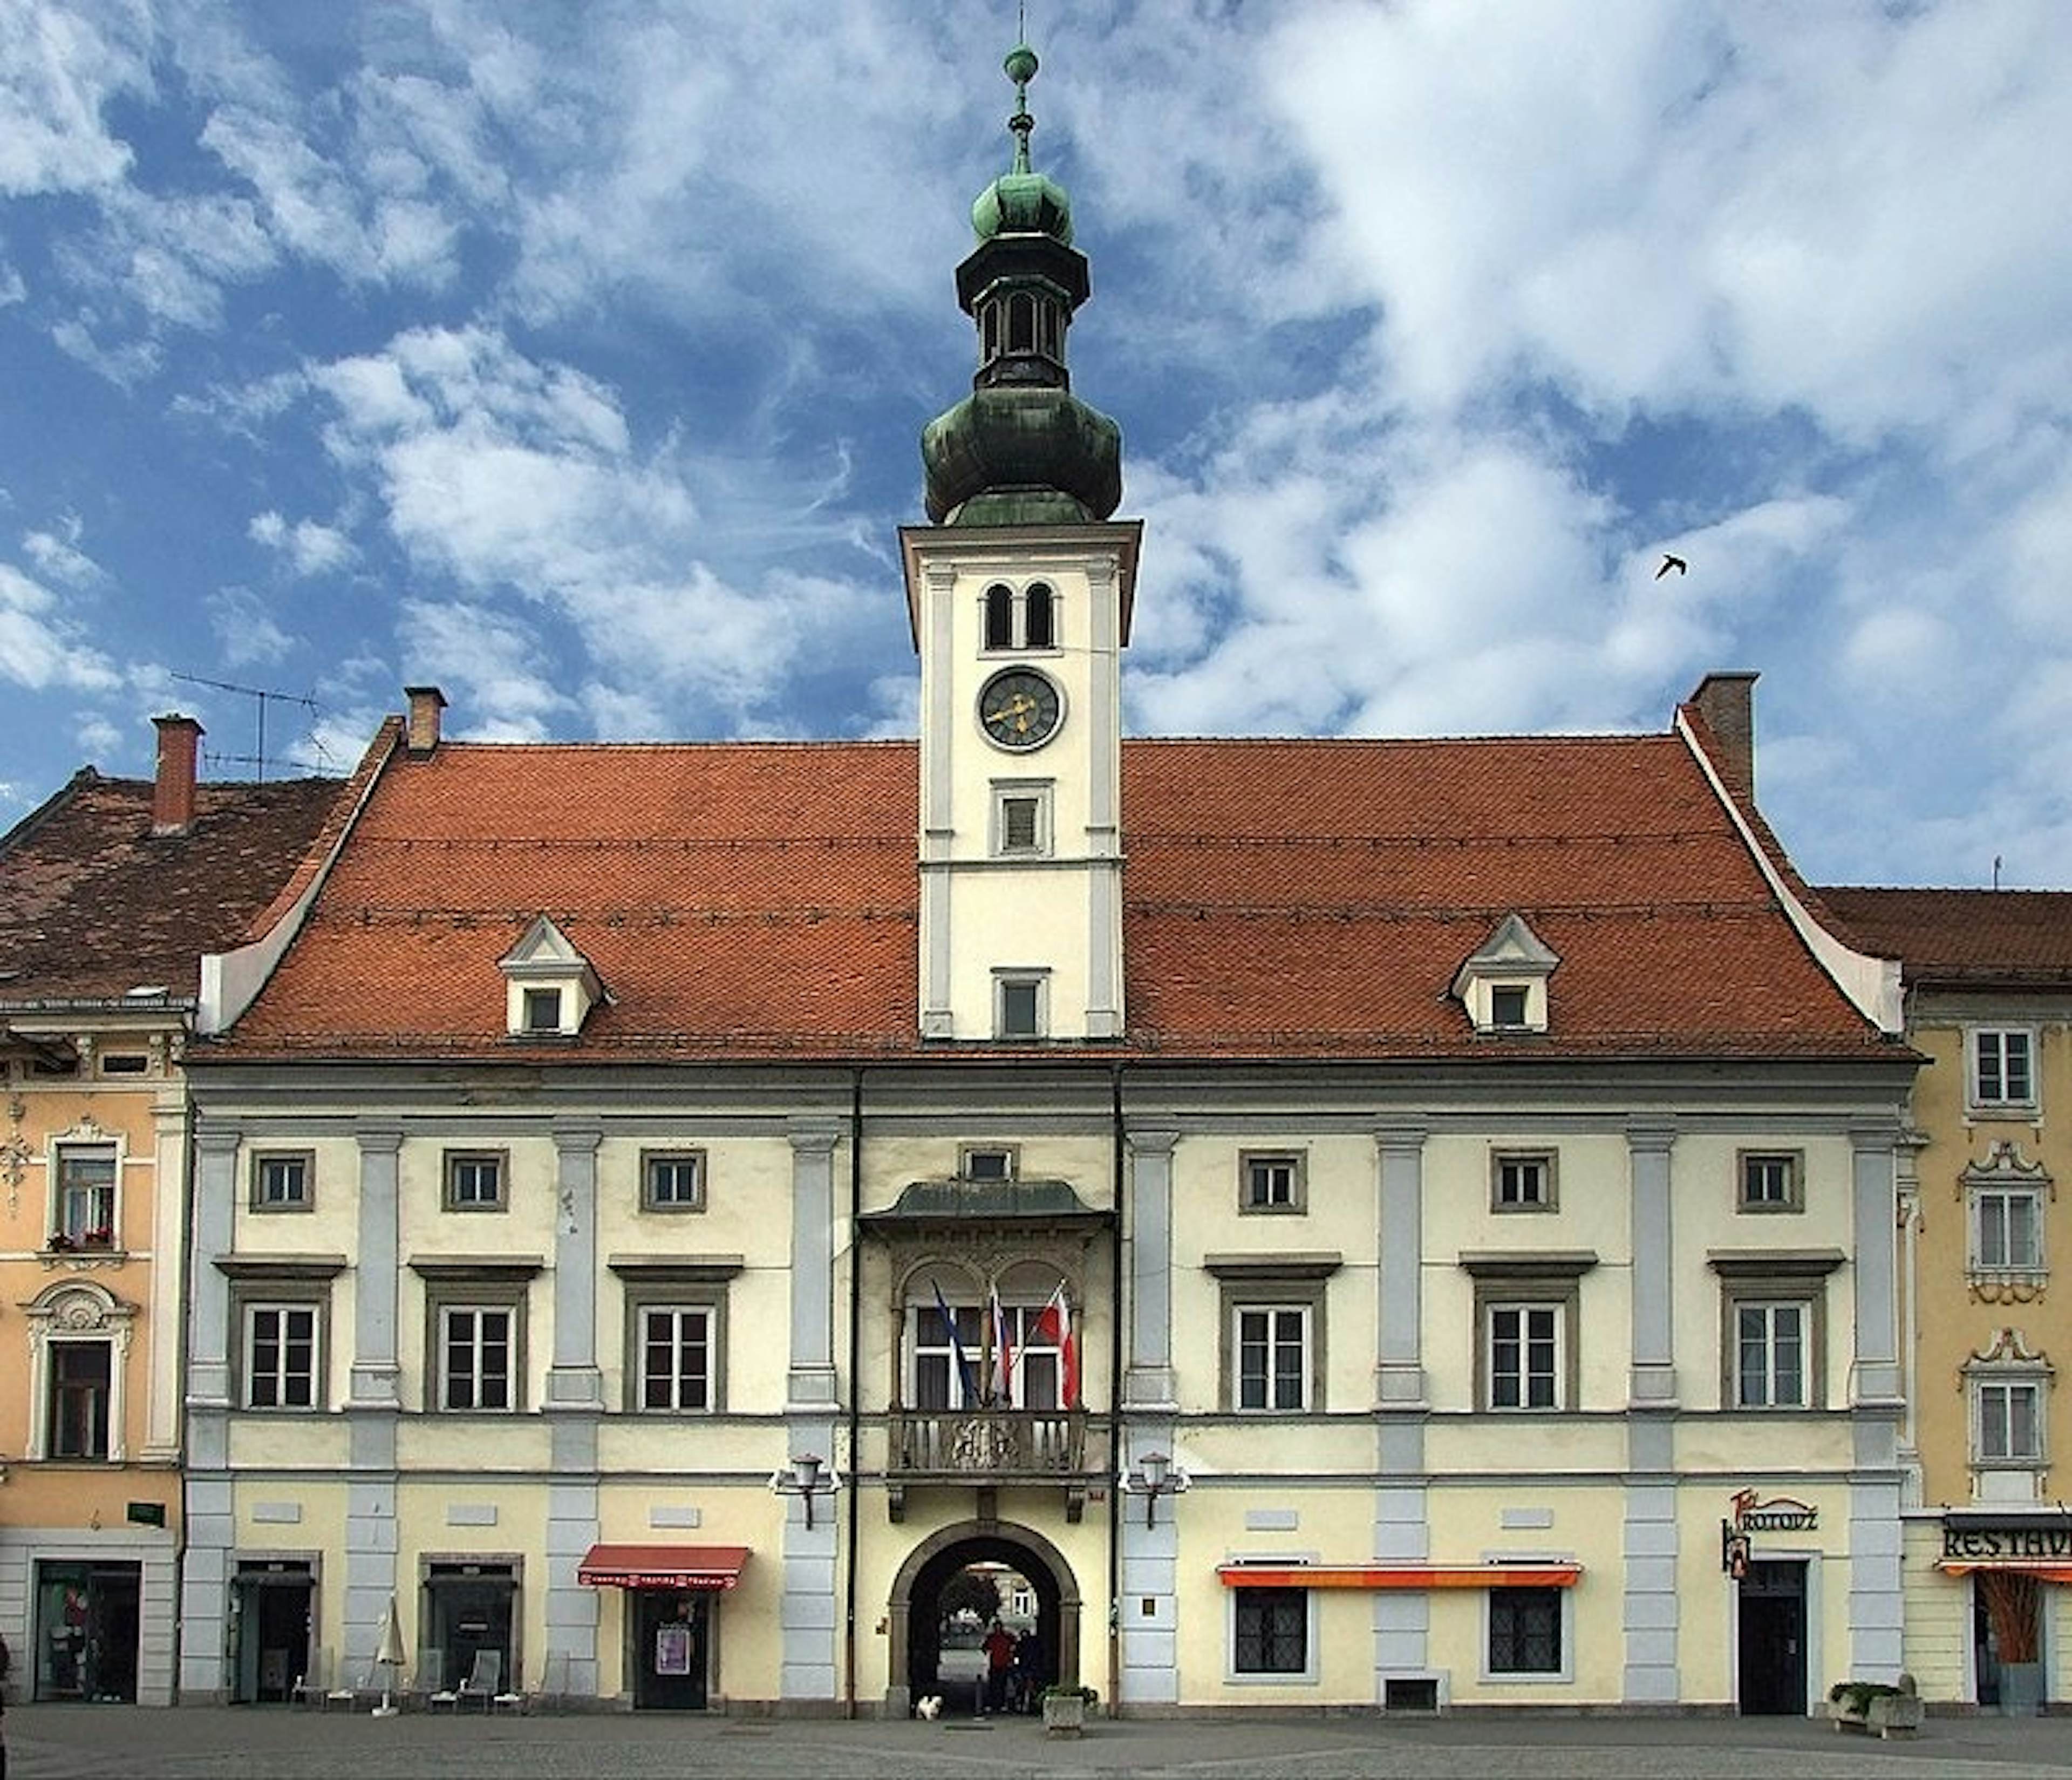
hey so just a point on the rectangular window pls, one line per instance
(1034, 1369)
(2010, 1421)
(281, 1356)
(2000, 1073)
(1507, 1005)
(476, 1357)
(124, 1063)
(1522, 1182)
(1271, 1632)
(1525, 1631)
(672, 1180)
(676, 1358)
(2007, 1231)
(1770, 1180)
(1524, 1356)
(1272, 1183)
(1769, 1365)
(543, 1009)
(86, 1195)
(282, 1182)
(1273, 1347)
(81, 1379)
(1018, 1006)
(474, 1181)
(989, 1163)
(938, 1383)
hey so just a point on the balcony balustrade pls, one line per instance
(993, 1446)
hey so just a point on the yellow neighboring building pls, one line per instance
(109, 895)
(1988, 980)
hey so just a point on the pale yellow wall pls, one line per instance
(1938, 1616)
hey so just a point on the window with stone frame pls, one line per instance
(1273, 1308)
(1773, 1326)
(2001, 1072)
(86, 1199)
(477, 1181)
(1272, 1181)
(1271, 1636)
(475, 1333)
(1526, 1309)
(1521, 1180)
(283, 1181)
(672, 1180)
(1770, 1180)
(1528, 1633)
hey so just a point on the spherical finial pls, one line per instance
(1021, 64)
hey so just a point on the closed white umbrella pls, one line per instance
(388, 1653)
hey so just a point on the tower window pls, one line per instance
(1036, 617)
(989, 324)
(999, 617)
(1021, 322)
(1049, 316)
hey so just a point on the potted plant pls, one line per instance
(1888, 1710)
(1065, 1709)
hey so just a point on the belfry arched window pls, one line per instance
(999, 617)
(1037, 630)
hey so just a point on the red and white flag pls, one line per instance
(1053, 1327)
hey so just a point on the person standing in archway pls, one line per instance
(999, 1648)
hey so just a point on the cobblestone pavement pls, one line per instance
(111, 1742)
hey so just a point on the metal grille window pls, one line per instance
(676, 1358)
(1273, 1631)
(1525, 1631)
(1525, 1356)
(1272, 1357)
(280, 1357)
(1770, 1348)
(2000, 1069)
(474, 1358)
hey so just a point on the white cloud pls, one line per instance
(245, 631)
(38, 647)
(308, 548)
(56, 553)
(492, 666)
(60, 66)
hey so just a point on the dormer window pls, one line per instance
(550, 988)
(1503, 984)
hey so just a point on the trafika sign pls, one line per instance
(1779, 1515)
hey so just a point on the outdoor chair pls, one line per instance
(314, 1682)
(349, 1694)
(426, 1680)
(481, 1685)
(552, 1694)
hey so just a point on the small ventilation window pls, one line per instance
(124, 1063)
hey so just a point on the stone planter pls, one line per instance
(2021, 1689)
(1878, 1710)
(1897, 1715)
(1064, 1714)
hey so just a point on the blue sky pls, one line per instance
(573, 358)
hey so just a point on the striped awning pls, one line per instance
(662, 1566)
(1400, 1575)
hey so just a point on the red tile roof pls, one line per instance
(1305, 898)
(94, 904)
(2005, 938)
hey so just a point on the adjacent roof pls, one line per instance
(1282, 899)
(94, 904)
(2003, 938)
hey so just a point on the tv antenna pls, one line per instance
(261, 697)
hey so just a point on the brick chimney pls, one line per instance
(1727, 702)
(173, 790)
(426, 703)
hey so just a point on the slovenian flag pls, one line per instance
(1003, 1354)
(1053, 1327)
(957, 1348)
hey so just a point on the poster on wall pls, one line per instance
(672, 1650)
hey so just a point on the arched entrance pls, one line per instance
(914, 1612)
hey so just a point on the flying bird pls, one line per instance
(1669, 563)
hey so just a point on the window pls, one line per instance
(1525, 1632)
(1021, 818)
(1018, 1009)
(2007, 1230)
(1524, 1356)
(81, 1379)
(2007, 1421)
(543, 1009)
(1272, 1344)
(1508, 1004)
(474, 1180)
(999, 615)
(1272, 1182)
(124, 1063)
(2000, 1067)
(1526, 1314)
(281, 1356)
(476, 1356)
(1771, 1181)
(677, 1357)
(1522, 1182)
(1027, 620)
(85, 1212)
(993, 1162)
(1037, 629)
(1270, 1631)
(282, 1180)
(672, 1180)
(1034, 1374)
(1273, 1330)
(1769, 1364)
(946, 1356)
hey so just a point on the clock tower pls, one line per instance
(1019, 593)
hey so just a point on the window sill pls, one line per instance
(82, 1257)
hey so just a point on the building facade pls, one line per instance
(1374, 1225)
(1988, 977)
(109, 895)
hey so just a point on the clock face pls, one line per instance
(1019, 708)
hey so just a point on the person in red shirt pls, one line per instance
(999, 1648)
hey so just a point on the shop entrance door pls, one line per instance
(86, 1631)
(272, 1633)
(1773, 1639)
(671, 1640)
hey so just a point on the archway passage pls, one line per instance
(916, 1606)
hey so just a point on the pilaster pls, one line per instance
(573, 1381)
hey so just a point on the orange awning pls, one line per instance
(1400, 1575)
(2043, 1569)
(662, 1566)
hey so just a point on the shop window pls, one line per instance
(470, 1617)
(88, 1623)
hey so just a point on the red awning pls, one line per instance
(1400, 1575)
(662, 1566)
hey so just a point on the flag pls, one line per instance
(1003, 1354)
(957, 1348)
(1053, 1327)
